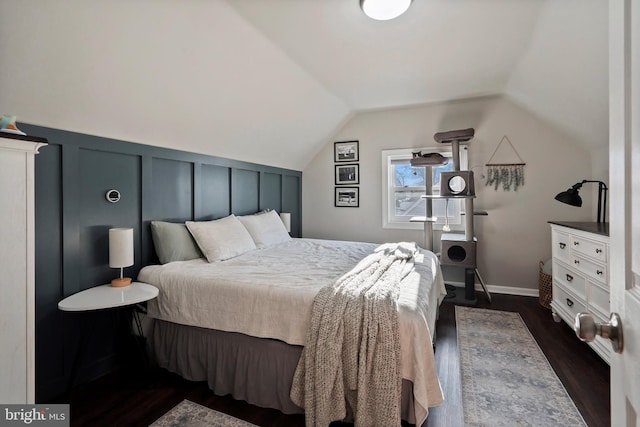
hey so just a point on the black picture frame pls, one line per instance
(347, 174)
(347, 197)
(346, 151)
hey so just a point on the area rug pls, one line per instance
(189, 414)
(506, 379)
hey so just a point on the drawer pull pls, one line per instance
(598, 251)
(569, 278)
(599, 272)
(562, 245)
(575, 261)
(569, 302)
(576, 243)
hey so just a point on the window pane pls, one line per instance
(409, 203)
(409, 186)
(453, 209)
(404, 175)
(406, 185)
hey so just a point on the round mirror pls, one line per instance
(113, 196)
(457, 184)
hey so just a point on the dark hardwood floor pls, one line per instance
(584, 374)
(130, 399)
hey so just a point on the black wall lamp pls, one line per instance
(571, 197)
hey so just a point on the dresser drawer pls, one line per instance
(569, 279)
(567, 303)
(591, 248)
(599, 300)
(601, 345)
(561, 248)
(592, 269)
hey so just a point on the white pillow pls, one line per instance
(221, 239)
(266, 229)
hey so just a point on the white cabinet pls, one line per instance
(581, 274)
(17, 253)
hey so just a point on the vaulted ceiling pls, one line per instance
(270, 81)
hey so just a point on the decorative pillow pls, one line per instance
(173, 242)
(266, 229)
(221, 239)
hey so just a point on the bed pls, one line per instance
(240, 322)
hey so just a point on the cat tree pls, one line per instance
(456, 249)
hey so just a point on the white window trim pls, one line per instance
(406, 153)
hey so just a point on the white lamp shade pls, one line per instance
(383, 10)
(286, 220)
(120, 247)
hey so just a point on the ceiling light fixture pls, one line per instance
(383, 10)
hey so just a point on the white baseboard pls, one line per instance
(507, 290)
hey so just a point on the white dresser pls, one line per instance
(17, 261)
(581, 274)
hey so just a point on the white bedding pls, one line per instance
(268, 293)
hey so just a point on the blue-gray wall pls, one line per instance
(73, 174)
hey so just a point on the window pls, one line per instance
(403, 186)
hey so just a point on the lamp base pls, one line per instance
(120, 283)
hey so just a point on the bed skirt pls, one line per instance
(256, 370)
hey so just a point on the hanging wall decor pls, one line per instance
(506, 175)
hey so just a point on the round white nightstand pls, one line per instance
(106, 296)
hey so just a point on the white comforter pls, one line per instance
(269, 292)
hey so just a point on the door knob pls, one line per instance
(586, 329)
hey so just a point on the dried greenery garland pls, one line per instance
(507, 176)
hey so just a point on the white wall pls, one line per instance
(600, 160)
(191, 75)
(514, 236)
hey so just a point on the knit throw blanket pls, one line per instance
(352, 348)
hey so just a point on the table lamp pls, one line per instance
(121, 253)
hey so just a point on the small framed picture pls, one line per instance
(346, 151)
(347, 174)
(347, 197)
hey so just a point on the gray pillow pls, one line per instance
(222, 238)
(266, 228)
(173, 242)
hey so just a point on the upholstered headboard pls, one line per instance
(73, 216)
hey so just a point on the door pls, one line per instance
(624, 159)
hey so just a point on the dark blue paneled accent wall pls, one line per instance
(73, 174)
